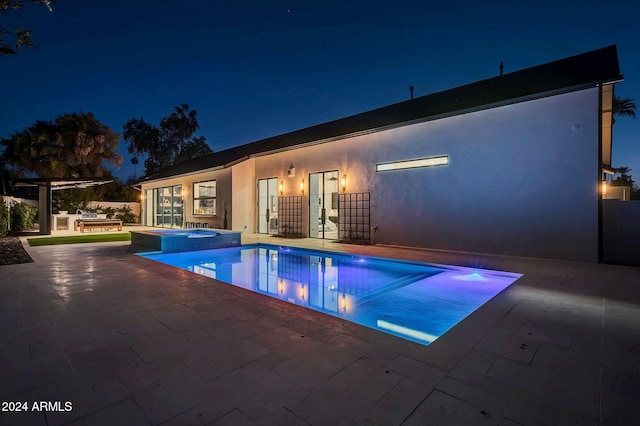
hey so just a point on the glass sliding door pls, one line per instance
(167, 204)
(323, 205)
(268, 206)
(163, 205)
(176, 206)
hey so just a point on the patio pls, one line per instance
(128, 341)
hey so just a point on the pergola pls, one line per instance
(46, 186)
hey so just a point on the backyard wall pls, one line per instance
(10, 200)
(134, 206)
(621, 232)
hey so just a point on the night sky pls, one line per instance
(255, 69)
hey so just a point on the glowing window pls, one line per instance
(412, 164)
(204, 197)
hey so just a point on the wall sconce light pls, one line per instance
(604, 187)
(281, 187)
(302, 186)
(344, 183)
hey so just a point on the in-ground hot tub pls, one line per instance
(179, 240)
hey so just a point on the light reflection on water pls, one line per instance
(415, 301)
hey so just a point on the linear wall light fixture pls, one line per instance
(441, 160)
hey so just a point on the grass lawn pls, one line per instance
(75, 239)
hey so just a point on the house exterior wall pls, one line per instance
(223, 195)
(243, 211)
(522, 179)
(622, 193)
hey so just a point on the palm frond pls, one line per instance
(624, 107)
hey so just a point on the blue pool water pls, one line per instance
(415, 301)
(189, 233)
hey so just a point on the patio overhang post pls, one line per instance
(44, 208)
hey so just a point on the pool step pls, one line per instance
(394, 285)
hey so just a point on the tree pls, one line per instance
(624, 179)
(73, 145)
(21, 37)
(196, 147)
(134, 161)
(181, 124)
(623, 107)
(143, 138)
(171, 143)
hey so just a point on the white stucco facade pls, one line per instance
(522, 179)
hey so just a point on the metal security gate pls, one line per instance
(290, 216)
(354, 218)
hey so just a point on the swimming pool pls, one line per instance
(415, 301)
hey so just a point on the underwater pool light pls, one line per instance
(473, 276)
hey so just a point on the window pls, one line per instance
(412, 164)
(204, 198)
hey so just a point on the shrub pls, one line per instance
(125, 214)
(23, 216)
(109, 211)
(4, 219)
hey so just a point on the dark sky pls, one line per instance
(254, 69)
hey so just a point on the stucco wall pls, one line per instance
(134, 206)
(223, 195)
(522, 179)
(244, 196)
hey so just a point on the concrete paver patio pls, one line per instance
(126, 340)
